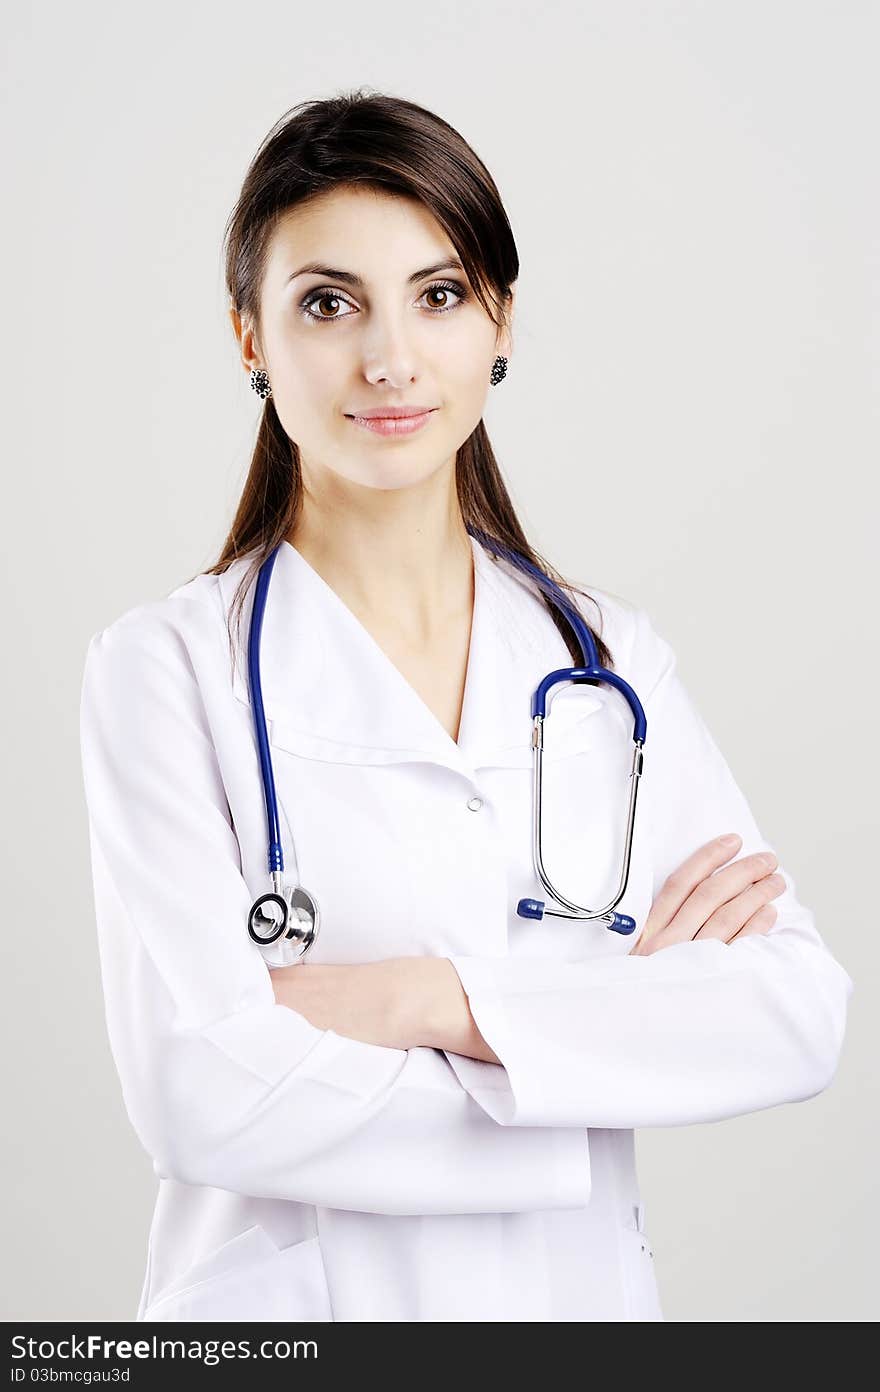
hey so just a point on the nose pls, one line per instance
(388, 353)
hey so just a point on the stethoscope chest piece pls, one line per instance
(291, 918)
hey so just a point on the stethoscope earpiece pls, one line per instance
(536, 908)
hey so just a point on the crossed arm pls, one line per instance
(404, 1002)
(399, 1002)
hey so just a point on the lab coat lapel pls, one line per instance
(330, 692)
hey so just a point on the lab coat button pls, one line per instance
(475, 804)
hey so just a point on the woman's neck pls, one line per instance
(415, 578)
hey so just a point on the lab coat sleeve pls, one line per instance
(696, 1032)
(224, 1086)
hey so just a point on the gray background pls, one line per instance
(693, 191)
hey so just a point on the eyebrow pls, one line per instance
(333, 273)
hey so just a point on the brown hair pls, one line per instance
(396, 146)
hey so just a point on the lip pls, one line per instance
(391, 412)
(394, 420)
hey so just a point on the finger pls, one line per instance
(681, 882)
(758, 923)
(730, 919)
(720, 888)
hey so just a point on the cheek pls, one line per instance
(308, 398)
(463, 382)
(466, 361)
(306, 367)
(311, 380)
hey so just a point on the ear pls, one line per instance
(245, 336)
(505, 335)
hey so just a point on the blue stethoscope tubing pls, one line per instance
(291, 913)
(287, 912)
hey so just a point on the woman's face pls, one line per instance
(382, 328)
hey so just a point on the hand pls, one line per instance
(700, 901)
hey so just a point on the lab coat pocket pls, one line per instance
(570, 726)
(640, 1281)
(348, 830)
(249, 1278)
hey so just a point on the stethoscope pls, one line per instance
(289, 914)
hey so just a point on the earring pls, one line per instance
(499, 369)
(260, 382)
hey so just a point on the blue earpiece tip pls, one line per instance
(623, 924)
(530, 908)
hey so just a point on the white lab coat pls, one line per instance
(304, 1175)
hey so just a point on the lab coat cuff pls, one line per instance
(270, 1040)
(510, 1091)
(566, 1174)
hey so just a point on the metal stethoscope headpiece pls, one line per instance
(589, 672)
(289, 915)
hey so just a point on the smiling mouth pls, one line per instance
(390, 426)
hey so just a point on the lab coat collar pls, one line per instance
(330, 692)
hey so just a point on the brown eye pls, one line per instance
(328, 300)
(444, 289)
(323, 297)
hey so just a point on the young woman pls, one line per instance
(429, 1116)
